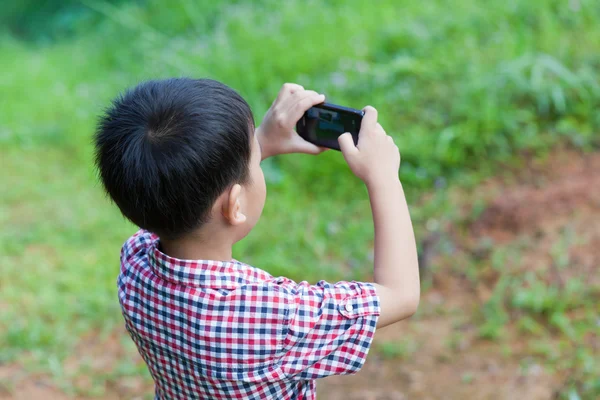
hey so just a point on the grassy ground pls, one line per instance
(465, 87)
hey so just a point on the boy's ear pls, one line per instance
(232, 206)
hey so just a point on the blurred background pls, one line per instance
(495, 106)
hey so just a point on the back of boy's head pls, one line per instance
(167, 149)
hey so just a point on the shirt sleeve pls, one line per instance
(328, 328)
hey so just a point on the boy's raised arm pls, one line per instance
(376, 160)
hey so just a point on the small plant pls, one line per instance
(466, 377)
(396, 350)
(494, 311)
(537, 296)
(530, 326)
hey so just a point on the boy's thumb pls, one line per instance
(347, 143)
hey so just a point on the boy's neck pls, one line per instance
(198, 247)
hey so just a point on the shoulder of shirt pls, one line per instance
(322, 288)
(251, 274)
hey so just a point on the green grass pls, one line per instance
(559, 319)
(462, 85)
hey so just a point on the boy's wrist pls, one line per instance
(381, 184)
(265, 149)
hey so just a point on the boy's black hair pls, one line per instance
(167, 149)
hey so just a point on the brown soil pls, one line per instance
(545, 205)
(550, 204)
(566, 187)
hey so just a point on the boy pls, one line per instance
(181, 159)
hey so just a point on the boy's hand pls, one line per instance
(376, 159)
(276, 134)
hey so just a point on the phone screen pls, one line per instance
(328, 124)
(324, 123)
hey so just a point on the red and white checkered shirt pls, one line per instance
(226, 330)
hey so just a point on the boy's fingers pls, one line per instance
(296, 99)
(346, 143)
(304, 103)
(370, 118)
(287, 89)
(307, 102)
(298, 96)
(299, 145)
(308, 148)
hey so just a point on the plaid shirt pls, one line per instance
(226, 330)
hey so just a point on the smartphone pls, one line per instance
(324, 123)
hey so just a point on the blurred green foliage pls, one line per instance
(462, 85)
(45, 20)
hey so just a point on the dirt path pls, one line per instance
(544, 203)
(439, 354)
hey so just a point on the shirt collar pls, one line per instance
(202, 273)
